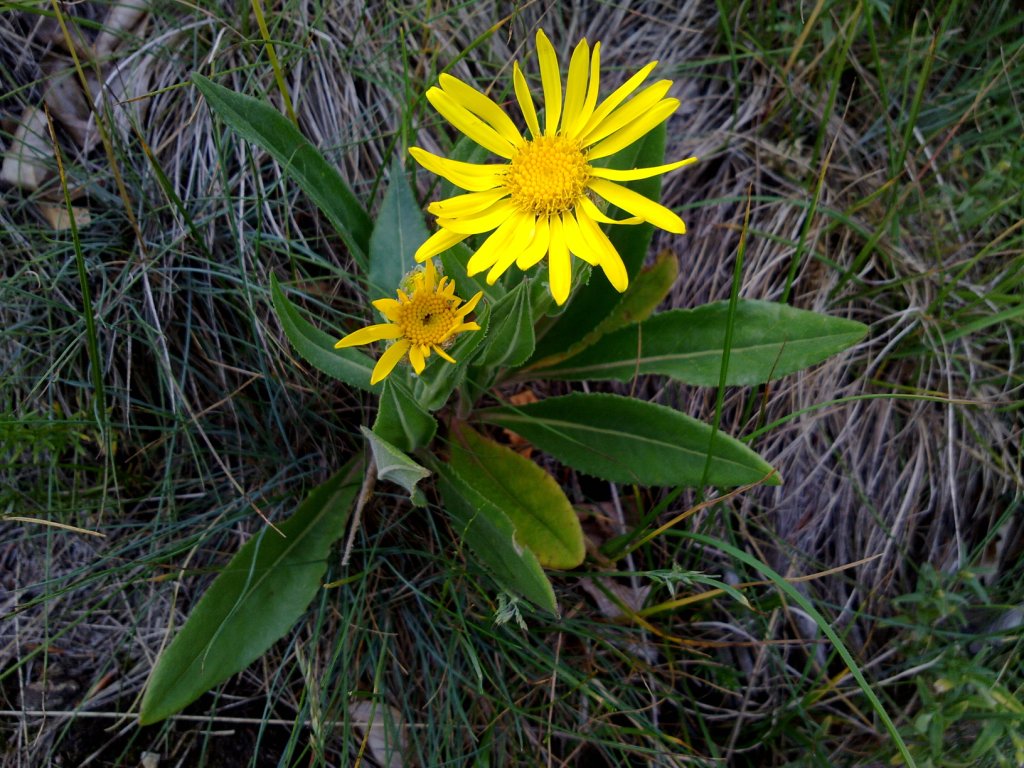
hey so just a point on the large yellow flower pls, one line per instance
(540, 202)
(419, 323)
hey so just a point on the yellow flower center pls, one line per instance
(547, 175)
(427, 318)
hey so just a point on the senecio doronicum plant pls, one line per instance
(580, 177)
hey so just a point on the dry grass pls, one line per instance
(873, 197)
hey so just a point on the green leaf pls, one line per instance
(490, 535)
(263, 125)
(631, 441)
(544, 520)
(398, 232)
(254, 601)
(396, 467)
(645, 292)
(510, 340)
(440, 378)
(348, 365)
(769, 341)
(401, 420)
(588, 308)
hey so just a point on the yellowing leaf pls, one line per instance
(544, 520)
(490, 536)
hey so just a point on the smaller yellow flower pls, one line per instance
(425, 321)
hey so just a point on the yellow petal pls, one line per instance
(538, 246)
(443, 354)
(517, 242)
(618, 96)
(467, 204)
(628, 113)
(551, 81)
(638, 205)
(607, 256)
(390, 308)
(439, 242)
(369, 334)
(469, 306)
(483, 107)
(525, 99)
(429, 277)
(389, 360)
(416, 358)
(470, 124)
(470, 176)
(467, 327)
(634, 130)
(639, 173)
(461, 329)
(576, 84)
(559, 263)
(577, 245)
(572, 128)
(489, 252)
(594, 213)
(485, 221)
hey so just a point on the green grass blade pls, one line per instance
(792, 593)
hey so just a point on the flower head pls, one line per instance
(541, 201)
(425, 317)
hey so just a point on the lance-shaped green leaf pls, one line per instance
(510, 339)
(393, 465)
(397, 233)
(588, 308)
(263, 125)
(348, 365)
(650, 286)
(769, 341)
(490, 536)
(401, 420)
(544, 520)
(631, 441)
(254, 601)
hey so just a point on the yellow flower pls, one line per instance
(540, 202)
(425, 321)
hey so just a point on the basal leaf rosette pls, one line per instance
(542, 200)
